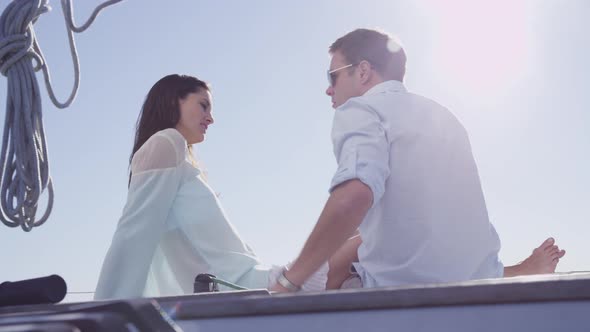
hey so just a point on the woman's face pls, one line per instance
(195, 116)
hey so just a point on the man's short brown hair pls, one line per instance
(378, 48)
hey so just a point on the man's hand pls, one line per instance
(279, 289)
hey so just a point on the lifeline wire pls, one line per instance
(228, 284)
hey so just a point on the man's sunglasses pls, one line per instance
(333, 74)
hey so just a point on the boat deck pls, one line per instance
(556, 302)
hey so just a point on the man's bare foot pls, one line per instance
(544, 259)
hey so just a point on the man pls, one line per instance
(406, 179)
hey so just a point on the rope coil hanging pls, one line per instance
(24, 159)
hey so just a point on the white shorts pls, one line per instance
(354, 281)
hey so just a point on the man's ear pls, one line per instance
(365, 71)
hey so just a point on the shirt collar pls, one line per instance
(387, 86)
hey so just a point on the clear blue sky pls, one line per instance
(514, 72)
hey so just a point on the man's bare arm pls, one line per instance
(343, 213)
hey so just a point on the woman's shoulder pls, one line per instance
(173, 135)
(164, 149)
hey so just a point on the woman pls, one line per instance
(173, 227)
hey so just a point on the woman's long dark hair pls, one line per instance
(161, 108)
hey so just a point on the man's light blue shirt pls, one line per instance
(428, 222)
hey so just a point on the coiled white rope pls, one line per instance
(23, 158)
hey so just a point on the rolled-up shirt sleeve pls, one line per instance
(361, 147)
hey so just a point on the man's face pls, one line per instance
(345, 83)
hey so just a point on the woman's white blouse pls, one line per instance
(173, 228)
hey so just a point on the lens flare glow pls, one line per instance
(481, 47)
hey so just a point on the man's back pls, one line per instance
(429, 222)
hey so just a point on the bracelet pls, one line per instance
(283, 281)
